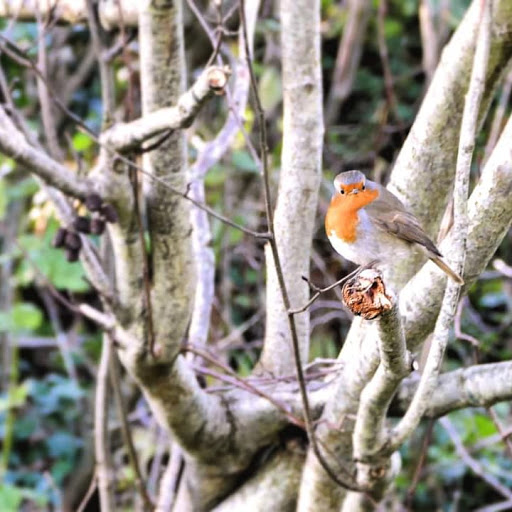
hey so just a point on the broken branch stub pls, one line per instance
(365, 294)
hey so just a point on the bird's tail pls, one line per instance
(447, 270)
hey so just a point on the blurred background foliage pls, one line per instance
(49, 354)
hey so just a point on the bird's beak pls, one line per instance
(355, 191)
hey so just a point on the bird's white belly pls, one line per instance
(371, 244)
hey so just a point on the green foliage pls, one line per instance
(50, 262)
(24, 316)
(10, 497)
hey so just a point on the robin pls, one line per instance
(365, 222)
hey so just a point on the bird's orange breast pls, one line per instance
(342, 215)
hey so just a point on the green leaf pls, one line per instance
(392, 28)
(242, 160)
(270, 88)
(51, 262)
(17, 397)
(24, 188)
(22, 317)
(62, 444)
(10, 498)
(485, 426)
(3, 199)
(82, 141)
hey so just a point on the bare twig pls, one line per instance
(101, 444)
(125, 136)
(89, 492)
(47, 115)
(499, 116)
(458, 328)
(170, 480)
(503, 433)
(244, 384)
(106, 73)
(421, 460)
(348, 57)
(319, 291)
(60, 336)
(474, 465)
(384, 57)
(125, 430)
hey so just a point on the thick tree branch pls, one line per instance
(70, 11)
(273, 487)
(466, 146)
(424, 170)
(369, 430)
(477, 386)
(125, 136)
(299, 182)
(14, 145)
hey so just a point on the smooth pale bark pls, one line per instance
(299, 181)
(72, 11)
(162, 82)
(424, 170)
(273, 487)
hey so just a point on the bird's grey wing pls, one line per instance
(389, 214)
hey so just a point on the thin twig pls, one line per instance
(503, 433)
(473, 464)
(90, 491)
(458, 326)
(106, 74)
(101, 448)
(319, 291)
(239, 382)
(421, 460)
(125, 430)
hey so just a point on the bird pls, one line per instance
(366, 222)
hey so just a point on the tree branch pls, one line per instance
(477, 386)
(369, 429)
(14, 145)
(474, 465)
(101, 444)
(71, 11)
(424, 170)
(348, 57)
(466, 146)
(299, 182)
(126, 136)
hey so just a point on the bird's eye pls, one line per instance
(342, 191)
(363, 187)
